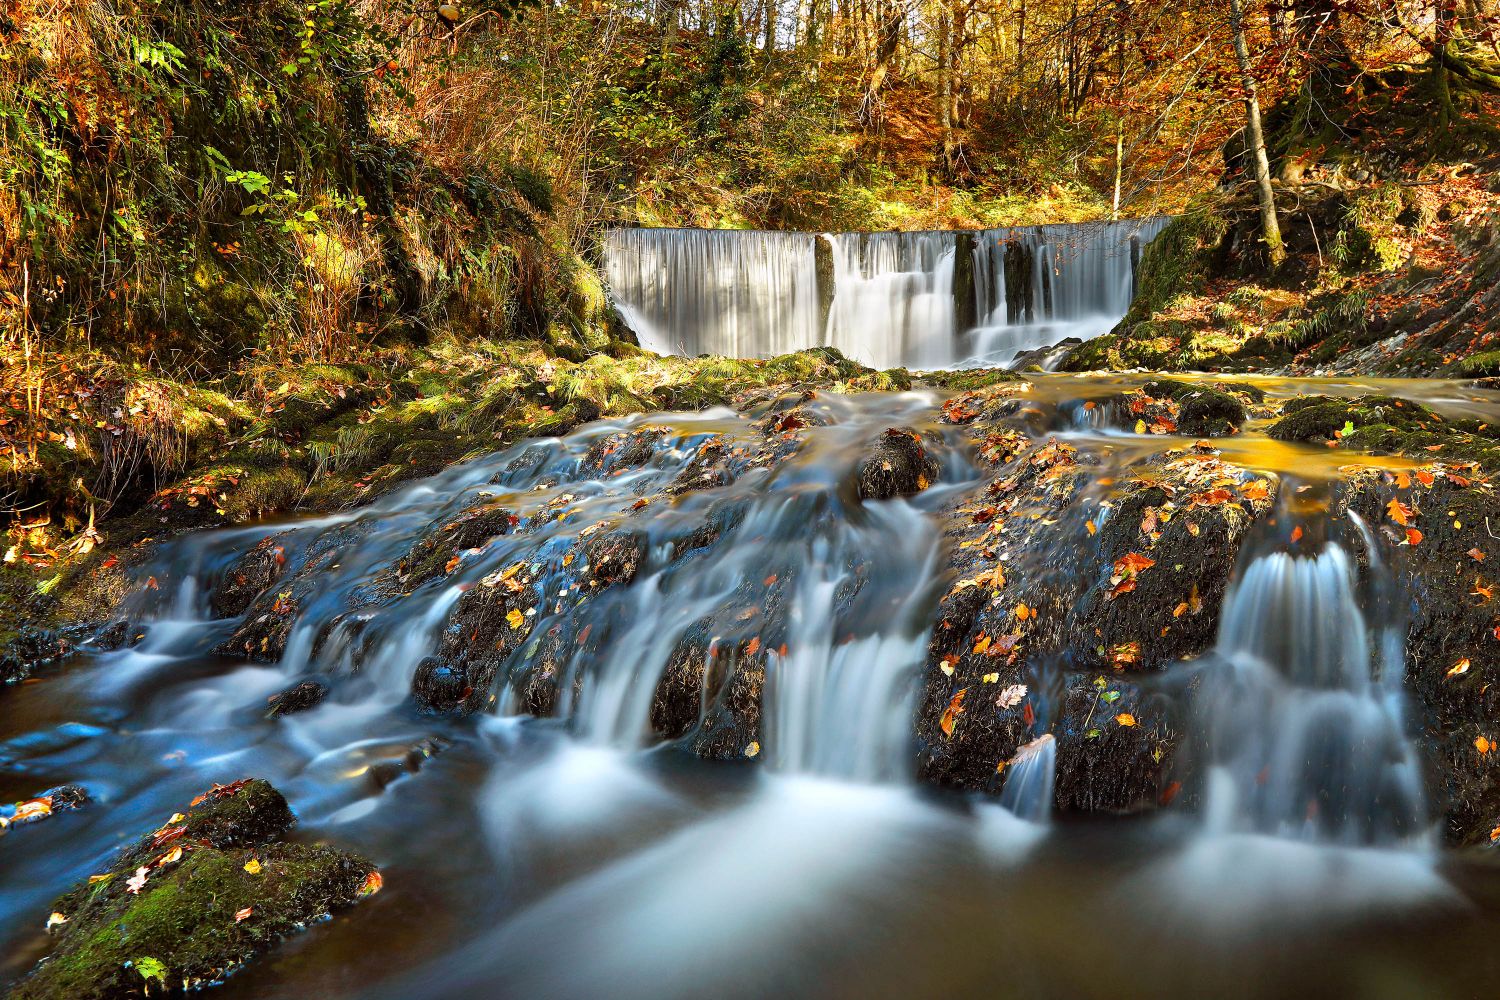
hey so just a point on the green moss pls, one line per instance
(1178, 261)
(1482, 365)
(969, 379)
(1386, 425)
(199, 914)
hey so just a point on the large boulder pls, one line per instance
(194, 899)
(900, 464)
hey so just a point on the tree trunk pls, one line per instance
(1269, 225)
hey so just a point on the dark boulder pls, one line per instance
(194, 899)
(298, 698)
(899, 465)
(249, 576)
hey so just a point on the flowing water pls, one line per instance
(924, 300)
(587, 855)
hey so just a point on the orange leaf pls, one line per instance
(1476, 554)
(240, 915)
(1297, 533)
(952, 712)
(1023, 612)
(1413, 536)
(1125, 719)
(1424, 477)
(1458, 669)
(981, 644)
(753, 647)
(1398, 512)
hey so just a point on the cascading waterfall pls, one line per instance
(1036, 285)
(698, 291)
(893, 298)
(1301, 712)
(923, 299)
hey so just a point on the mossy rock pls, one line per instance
(1387, 425)
(218, 889)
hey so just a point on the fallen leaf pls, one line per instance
(1125, 719)
(1023, 612)
(952, 712)
(1476, 554)
(1413, 536)
(137, 882)
(253, 866)
(372, 884)
(753, 646)
(1297, 534)
(515, 618)
(1011, 696)
(1458, 669)
(1398, 512)
(242, 915)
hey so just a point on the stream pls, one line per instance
(584, 855)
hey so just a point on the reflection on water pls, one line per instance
(580, 857)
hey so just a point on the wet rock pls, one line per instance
(30, 650)
(1114, 747)
(708, 470)
(119, 635)
(1045, 358)
(1390, 426)
(298, 698)
(899, 465)
(440, 687)
(616, 557)
(387, 772)
(1057, 568)
(1453, 634)
(63, 798)
(625, 450)
(433, 555)
(251, 575)
(1207, 412)
(194, 899)
(271, 618)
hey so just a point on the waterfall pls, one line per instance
(698, 291)
(1036, 285)
(1301, 713)
(893, 298)
(923, 300)
(1028, 788)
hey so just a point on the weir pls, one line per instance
(921, 299)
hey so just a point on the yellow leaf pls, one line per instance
(253, 866)
(515, 618)
(1483, 745)
(1458, 669)
(568, 559)
(1092, 527)
(753, 750)
(1140, 426)
(981, 645)
(1125, 719)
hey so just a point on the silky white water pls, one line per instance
(887, 299)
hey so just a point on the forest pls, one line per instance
(678, 498)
